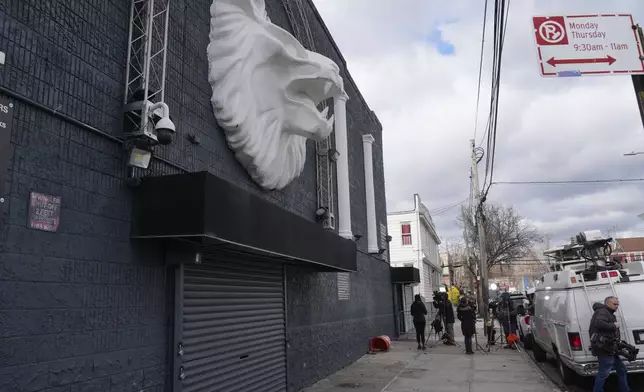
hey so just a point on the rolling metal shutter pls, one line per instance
(232, 329)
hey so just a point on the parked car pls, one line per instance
(521, 303)
(524, 316)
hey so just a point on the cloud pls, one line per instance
(417, 65)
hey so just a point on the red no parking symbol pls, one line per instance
(550, 30)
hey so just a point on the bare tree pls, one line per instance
(508, 236)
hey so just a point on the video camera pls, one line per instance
(614, 345)
(439, 296)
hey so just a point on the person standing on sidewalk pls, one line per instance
(603, 331)
(446, 313)
(466, 315)
(418, 312)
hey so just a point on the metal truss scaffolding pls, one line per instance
(146, 57)
(324, 167)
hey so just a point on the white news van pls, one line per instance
(563, 307)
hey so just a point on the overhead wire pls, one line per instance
(565, 182)
(478, 92)
(500, 27)
(444, 209)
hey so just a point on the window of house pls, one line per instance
(406, 233)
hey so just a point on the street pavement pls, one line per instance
(439, 369)
(585, 384)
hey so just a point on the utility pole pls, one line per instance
(468, 254)
(478, 205)
(450, 268)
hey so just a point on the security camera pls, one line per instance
(157, 126)
(164, 127)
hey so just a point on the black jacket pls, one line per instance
(465, 313)
(418, 311)
(602, 323)
(506, 312)
(446, 310)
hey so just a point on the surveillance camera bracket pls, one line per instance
(155, 111)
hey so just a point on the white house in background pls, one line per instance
(414, 243)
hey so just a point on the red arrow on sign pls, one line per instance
(608, 59)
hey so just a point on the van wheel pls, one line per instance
(528, 342)
(539, 354)
(567, 375)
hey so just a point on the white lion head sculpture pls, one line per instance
(266, 87)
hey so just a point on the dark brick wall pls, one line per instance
(82, 309)
(86, 309)
(326, 334)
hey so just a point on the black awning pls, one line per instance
(405, 275)
(203, 208)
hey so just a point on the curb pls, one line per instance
(526, 357)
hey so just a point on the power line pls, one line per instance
(500, 25)
(448, 208)
(565, 182)
(478, 92)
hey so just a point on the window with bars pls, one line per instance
(405, 228)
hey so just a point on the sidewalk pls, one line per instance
(439, 369)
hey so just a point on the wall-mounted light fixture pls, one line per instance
(194, 138)
(333, 154)
(139, 158)
(356, 237)
(322, 215)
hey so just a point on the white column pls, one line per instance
(370, 192)
(341, 144)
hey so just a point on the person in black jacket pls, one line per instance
(446, 313)
(467, 316)
(605, 328)
(418, 312)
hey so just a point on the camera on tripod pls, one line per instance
(616, 346)
(439, 296)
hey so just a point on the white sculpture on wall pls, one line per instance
(266, 87)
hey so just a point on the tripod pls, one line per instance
(503, 337)
(436, 332)
(498, 339)
(477, 346)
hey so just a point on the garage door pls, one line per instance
(231, 327)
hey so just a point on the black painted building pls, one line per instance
(193, 276)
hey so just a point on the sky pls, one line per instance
(417, 64)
